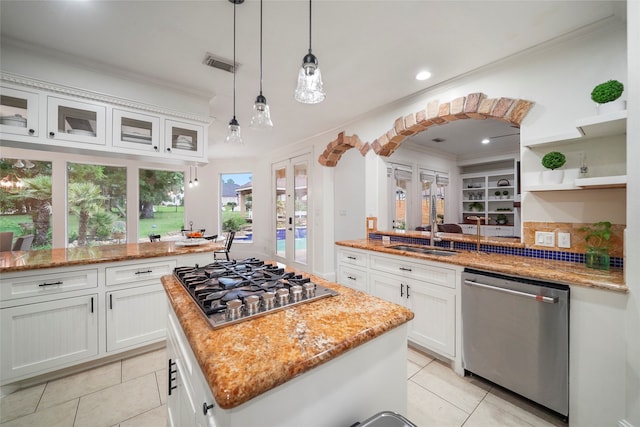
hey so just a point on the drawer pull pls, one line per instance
(351, 278)
(51, 284)
(405, 269)
(172, 370)
(352, 257)
(144, 272)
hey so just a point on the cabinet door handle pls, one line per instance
(408, 287)
(206, 407)
(110, 301)
(401, 290)
(32, 131)
(172, 371)
(51, 284)
(155, 148)
(52, 134)
(92, 304)
(144, 272)
(405, 269)
(168, 149)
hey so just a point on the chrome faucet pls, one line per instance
(434, 222)
(477, 219)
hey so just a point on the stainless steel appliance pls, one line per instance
(515, 333)
(229, 292)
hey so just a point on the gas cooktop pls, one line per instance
(230, 292)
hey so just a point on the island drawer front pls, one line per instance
(353, 278)
(432, 274)
(137, 273)
(46, 284)
(352, 257)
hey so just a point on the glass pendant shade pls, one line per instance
(233, 136)
(309, 90)
(261, 117)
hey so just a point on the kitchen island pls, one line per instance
(330, 362)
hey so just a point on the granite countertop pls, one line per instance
(64, 257)
(569, 273)
(244, 360)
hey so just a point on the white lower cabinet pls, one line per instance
(429, 289)
(40, 337)
(190, 402)
(135, 316)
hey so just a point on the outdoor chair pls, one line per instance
(6, 237)
(227, 246)
(23, 243)
(154, 237)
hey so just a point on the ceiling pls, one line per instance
(369, 52)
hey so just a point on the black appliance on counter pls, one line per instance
(230, 292)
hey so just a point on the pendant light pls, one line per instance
(233, 136)
(261, 118)
(190, 179)
(309, 90)
(195, 181)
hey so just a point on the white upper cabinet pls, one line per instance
(184, 139)
(75, 121)
(136, 131)
(18, 112)
(48, 115)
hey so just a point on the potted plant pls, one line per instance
(597, 239)
(505, 194)
(497, 193)
(607, 96)
(502, 219)
(553, 161)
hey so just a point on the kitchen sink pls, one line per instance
(423, 250)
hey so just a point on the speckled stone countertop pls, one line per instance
(64, 257)
(569, 273)
(242, 361)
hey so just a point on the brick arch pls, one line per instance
(336, 148)
(473, 106)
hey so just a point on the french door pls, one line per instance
(291, 191)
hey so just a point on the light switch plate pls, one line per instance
(545, 238)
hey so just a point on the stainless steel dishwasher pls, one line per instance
(515, 333)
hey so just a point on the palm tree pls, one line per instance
(85, 199)
(39, 189)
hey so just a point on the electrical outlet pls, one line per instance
(545, 238)
(564, 240)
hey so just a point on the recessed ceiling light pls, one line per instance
(423, 75)
(486, 141)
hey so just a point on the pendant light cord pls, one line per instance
(234, 60)
(260, 47)
(309, 26)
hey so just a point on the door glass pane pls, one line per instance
(137, 131)
(237, 205)
(13, 111)
(161, 204)
(281, 211)
(400, 211)
(76, 121)
(96, 203)
(426, 203)
(300, 223)
(25, 201)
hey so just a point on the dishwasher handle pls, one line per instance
(541, 298)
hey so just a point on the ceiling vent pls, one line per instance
(219, 63)
(438, 140)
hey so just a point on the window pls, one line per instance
(236, 203)
(96, 204)
(432, 184)
(161, 204)
(25, 200)
(401, 177)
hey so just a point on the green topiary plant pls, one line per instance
(553, 160)
(607, 92)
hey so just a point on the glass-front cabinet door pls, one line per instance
(18, 112)
(136, 131)
(76, 121)
(184, 139)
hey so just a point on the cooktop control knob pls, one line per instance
(296, 293)
(283, 296)
(269, 300)
(233, 308)
(309, 290)
(252, 304)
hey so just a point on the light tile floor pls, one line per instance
(132, 393)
